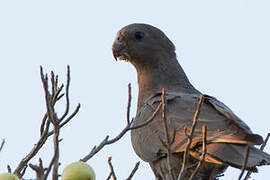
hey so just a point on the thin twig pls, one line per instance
(2, 144)
(133, 171)
(244, 163)
(167, 135)
(70, 117)
(149, 120)
(34, 150)
(109, 177)
(128, 105)
(128, 127)
(111, 168)
(67, 95)
(49, 168)
(56, 96)
(50, 109)
(261, 148)
(66, 120)
(105, 142)
(204, 151)
(24, 170)
(190, 137)
(39, 169)
(265, 142)
(53, 83)
(43, 122)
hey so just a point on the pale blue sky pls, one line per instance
(222, 45)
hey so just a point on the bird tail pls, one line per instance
(234, 155)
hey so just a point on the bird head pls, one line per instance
(141, 44)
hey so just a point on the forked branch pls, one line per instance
(51, 97)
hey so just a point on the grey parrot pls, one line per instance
(153, 55)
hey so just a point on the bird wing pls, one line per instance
(223, 126)
(233, 154)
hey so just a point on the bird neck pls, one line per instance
(152, 78)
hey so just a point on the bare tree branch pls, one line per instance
(190, 137)
(149, 120)
(53, 119)
(167, 142)
(111, 168)
(43, 122)
(261, 148)
(50, 117)
(128, 127)
(24, 170)
(39, 169)
(33, 152)
(244, 163)
(56, 152)
(109, 177)
(105, 142)
(265, 142)
(49, 168)
(133, 171)
(129, 102)
(204, 151)
(2, 144)
(67, 94)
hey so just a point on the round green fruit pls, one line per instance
(8, 176)
(78, 171)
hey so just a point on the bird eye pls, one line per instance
(139, 35)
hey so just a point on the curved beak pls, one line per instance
(119, 49)
(115, 54)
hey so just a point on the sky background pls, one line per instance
(223, 47)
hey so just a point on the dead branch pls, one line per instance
(133, 171)
(53, 118)
(111, 168)
(149, 120)
(48, 169)
(33, 152)
(261, 148)
(67, 95)
(43, 122)
(56, 152)
(39, 169)
(128, 127)
(50, 117)
(24, 170)
(168, 142)
(109, 177)
(265, 142)
(105, 142)
(244, 163)
(204, 151)
(2, 144)
(129, 102)
(190, 137)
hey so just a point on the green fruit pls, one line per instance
(78, 171)
(8, 176)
